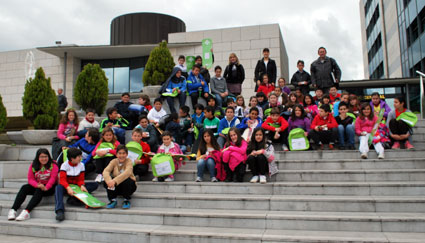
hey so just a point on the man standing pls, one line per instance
(301, 79)
(265, 66)
(324, 71)
(63, 102)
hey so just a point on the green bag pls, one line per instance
(86, 197)
(352, 116)
(207, 60)
(297, 140)
(275, 125)
(267, 112)
(225, 131)
(135, 151)
(173, 94)
(102, 146)
(162, 165)
(409, 118)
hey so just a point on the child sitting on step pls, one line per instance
(208, 155)
(104, 152)
(234, 155)
(169, 147)
(260, 152)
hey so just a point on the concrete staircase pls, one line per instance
(318, 196)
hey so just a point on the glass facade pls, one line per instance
(374, 39)
(124, 75)
(411, 22)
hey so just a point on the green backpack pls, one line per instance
(297, 140)
(135, 151)
(104, 145)
(162, 165)
(267, 112)
(171, 94)
(409, 118)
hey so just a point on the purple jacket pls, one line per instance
(299, 123)
(286, 90)
(383, 105)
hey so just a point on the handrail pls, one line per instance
(421, 95)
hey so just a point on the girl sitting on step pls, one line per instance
(260, 153)
(42, 178)
(234, 155)
(169, 147)
(104, 152)
(208, 155)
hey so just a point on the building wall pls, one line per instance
(391, 41)
(364, 40)
(12, 78)
(246, 42)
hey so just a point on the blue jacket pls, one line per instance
(198, 120)
(193, 85)
(225, 124)
(85, 147)
(243, 124)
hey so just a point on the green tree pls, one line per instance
(159, 65)
(91, 89)
(39, 103)
(3, 115)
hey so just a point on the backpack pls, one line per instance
(135, 151)
(297, 140)
(409, 118)
(162, 165)
(103, 146)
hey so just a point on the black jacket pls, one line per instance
(240, 75)
(321, 72)
(301, 77)
(123, 110)
(271, 71)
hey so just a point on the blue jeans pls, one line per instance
(120, 133)
(221, 141)
(170, 101)
(219, 100)
(346, 133)
(60, 191)
(209, 163)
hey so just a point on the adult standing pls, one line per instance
(324, 71)
(265, 66)
(301, 79)
(234, 75)
(63, 102)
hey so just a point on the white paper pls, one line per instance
(164, 168)
(81, 195)
(298, 144)
(132, 155)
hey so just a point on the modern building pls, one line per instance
(133, 36)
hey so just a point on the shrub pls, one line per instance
(159, 65)
(3, 115)
(91, 89)
(39, 103)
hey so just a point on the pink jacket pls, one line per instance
(48, 177)
(62, 128)
(365, 125)
(174, 149)
(313, 110)
(235, 155)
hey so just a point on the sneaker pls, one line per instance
(364, 156)
(60, 215)
(213, 179)
(99, 178)
(12, 214)
(112, 204)
(198, 179)
(169, 179)
(155, 179)
(263, 179)
(285, 148)
(23, 216)
(331, 147)
(396, 145)
(254, 179)
(126, 204)
(381, 156)
(408, 145)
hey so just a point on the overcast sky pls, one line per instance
(305, 25)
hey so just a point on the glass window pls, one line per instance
(372, 90)
(136, 83)
(390, 90)
(121, 78)
(109, 72)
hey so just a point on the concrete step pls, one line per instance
(253, 219)
(347, 154)
(110, 231)
(27, 239)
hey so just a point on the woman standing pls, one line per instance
(234, 75)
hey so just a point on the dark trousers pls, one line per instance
(282, 139)
(125, 189)
(398, 128)
(182, 100)
(258, 164)
(239, 172)
(101, 163)
(37, 193)
(195, 96)
(60, 191)
(140, 170)
(325, 137)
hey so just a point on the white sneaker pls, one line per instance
(155, 179)
(214, 179)
(254, 179)
(364, 156)
(23, 216)
(169, 179)
(285, 148)
(198, 179)
(99, 178)
(263, 179)
(381, 156)
(11, 215)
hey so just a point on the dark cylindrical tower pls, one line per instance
(144, 28)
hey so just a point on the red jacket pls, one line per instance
(266, 89)
(71, 174)
(319, 121)
(338, 95)
(145, 158)
(283, 124)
